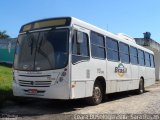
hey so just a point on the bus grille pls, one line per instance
(35, 83)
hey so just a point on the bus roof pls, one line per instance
(71, 21)
(75, 21)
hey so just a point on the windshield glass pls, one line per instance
(45, 50)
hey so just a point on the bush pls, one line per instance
(5, 82)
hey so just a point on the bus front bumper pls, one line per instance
(52, 92)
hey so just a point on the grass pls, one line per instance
(5, 81)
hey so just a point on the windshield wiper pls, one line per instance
(43, 53)
(30, 39)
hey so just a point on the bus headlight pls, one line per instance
(61, 79)
(13, 77)
(64, 74)
(14, 80)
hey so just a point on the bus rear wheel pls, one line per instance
(141, 89)
(97, 96)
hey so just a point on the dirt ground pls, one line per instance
(117, 104)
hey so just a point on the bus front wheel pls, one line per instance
(97, 96)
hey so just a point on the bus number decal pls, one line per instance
(87, 73)
(99, 71)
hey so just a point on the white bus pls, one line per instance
(66, 58)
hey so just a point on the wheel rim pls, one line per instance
(97, 95)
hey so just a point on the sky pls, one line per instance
(132, 17)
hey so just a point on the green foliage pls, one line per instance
(3, 35)
(5, 79)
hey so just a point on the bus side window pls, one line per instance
(133, 55)
(147, 59)
(141, 58)
(112, 49)
(124, 52)
(97, 46)
(80, 50)
(152, 60)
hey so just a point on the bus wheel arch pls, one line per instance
(102, 82)
(99, 90)
(142, 78)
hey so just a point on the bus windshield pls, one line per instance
(45, 50)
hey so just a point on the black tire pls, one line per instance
(97, 96)
(141, 89)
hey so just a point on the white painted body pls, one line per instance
(80, 78)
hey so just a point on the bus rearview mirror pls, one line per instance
(79, 37)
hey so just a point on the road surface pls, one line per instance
(126, 103)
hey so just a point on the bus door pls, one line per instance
(80, 66)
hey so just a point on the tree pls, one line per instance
(3, 35)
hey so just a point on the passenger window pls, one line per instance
(112, 49)
(80, 51)
(152, 60)
(124, 52)
(147, 59)
(134, 55)
(141, 57)
(97, 45)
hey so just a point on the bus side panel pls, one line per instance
(84, 74)
(135, 76)
(89, 88)
(80, 75)
(111, 86)
(149, 76)
(111, 77)
(118, 81)
(141, 71)
(124, 79)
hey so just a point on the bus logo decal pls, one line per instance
(120, 70)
